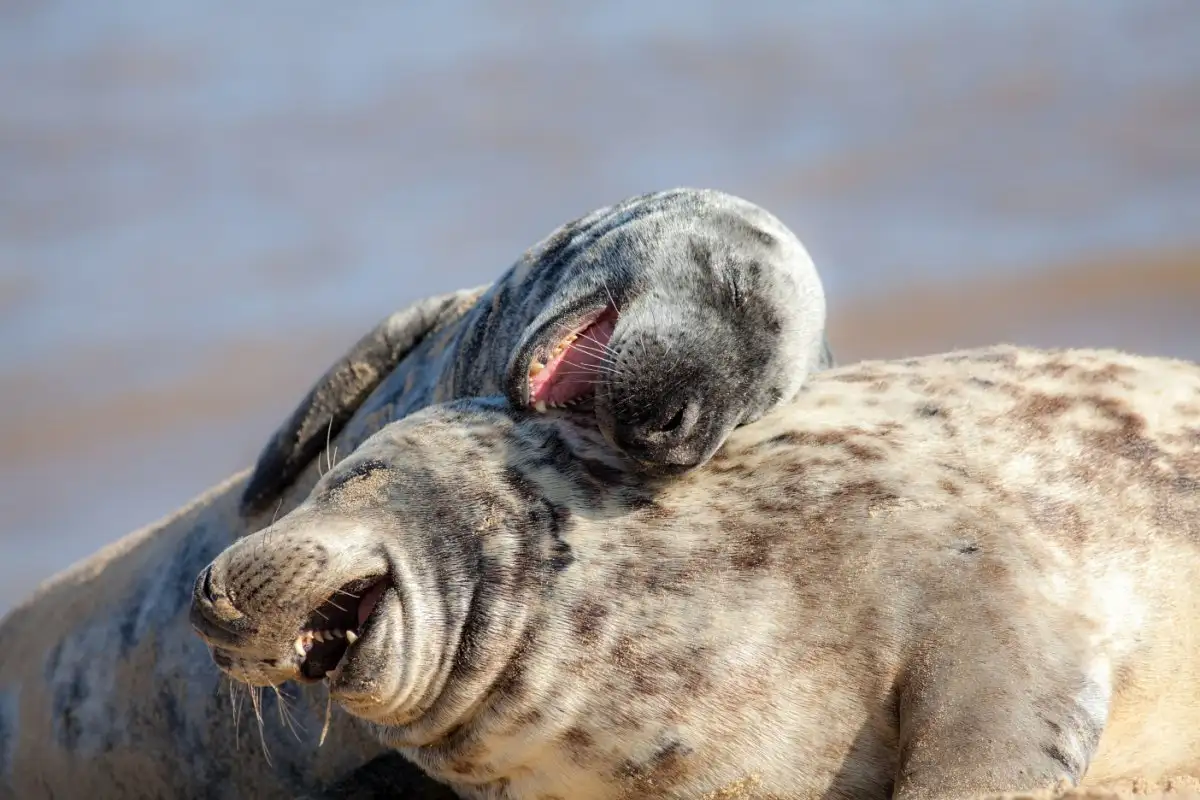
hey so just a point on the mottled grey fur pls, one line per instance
(722, 315)
(944, 576)
(104, 685)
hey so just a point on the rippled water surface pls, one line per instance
(202, 204)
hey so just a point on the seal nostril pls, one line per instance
(675, 422)
(206, 587)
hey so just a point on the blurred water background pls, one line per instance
(203, 204)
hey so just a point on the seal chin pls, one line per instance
(564, 370)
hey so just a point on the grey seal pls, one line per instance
(940, 577)
(102, 682)
(676, 315)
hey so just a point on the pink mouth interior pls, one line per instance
(573, 373)
(368, 601)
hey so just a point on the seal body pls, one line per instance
(950, 576)
(102, 682)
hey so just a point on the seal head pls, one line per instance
(680, 316)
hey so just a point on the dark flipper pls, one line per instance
(334, 398)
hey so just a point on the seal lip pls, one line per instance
(332, 628)
(542, 339)
(386, 602)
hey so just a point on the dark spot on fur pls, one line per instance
(588, 618)
(666, 766)
(949, 487)
(751, 549)
(967, 548)
(1038, 406)
(928, 410)
(983, 383)
(1111, 373)
(1127, 439)
(864, 452)
(654, 510)
(700, 254)
(543, 515)
(955, 468)
(872, 491)
(577, 740)
(68, 696)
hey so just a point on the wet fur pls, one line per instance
(948, 576)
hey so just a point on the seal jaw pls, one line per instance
(558, 371)
(333, 629)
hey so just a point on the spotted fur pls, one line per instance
(939, 577)
(722, 316)
(102, 682)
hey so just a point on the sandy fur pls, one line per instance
(963, 573)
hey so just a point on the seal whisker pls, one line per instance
(285, 716)
(602, 352)
(328, 435)
(256, 701)
(611, 302)
(328, 715)
(335, 605)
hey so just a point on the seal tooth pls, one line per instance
(351, 637)
(337, 633)
(540, 405)
(319, 636)
(536, 367)
(298, 645)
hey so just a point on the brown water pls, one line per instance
(202, 204)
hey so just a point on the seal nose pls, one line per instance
(664, 442)
(213, 614)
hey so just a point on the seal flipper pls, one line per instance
(335, 397)
(1017, 718)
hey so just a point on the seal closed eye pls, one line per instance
(673, 317)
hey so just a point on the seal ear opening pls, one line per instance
(338, 394)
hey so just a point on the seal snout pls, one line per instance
(213, 614)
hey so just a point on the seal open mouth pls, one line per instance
(569, 372)
(335, 626)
